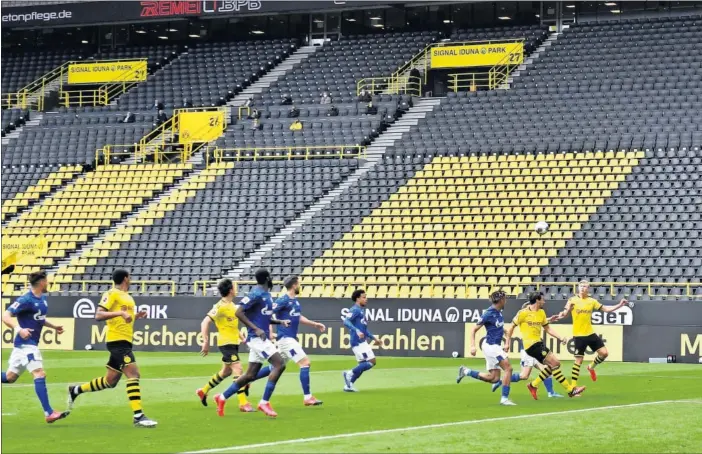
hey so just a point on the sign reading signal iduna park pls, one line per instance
(472, 55)
(107, 72)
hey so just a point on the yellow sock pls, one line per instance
(134, 394)
(94, 385)
(558, 375)
(598, 360)
(543, 375)
(241, 395)
(214, 381)
(575, 374)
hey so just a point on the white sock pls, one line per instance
(308, 396)
(263, 402)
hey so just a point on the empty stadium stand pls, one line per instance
(21, 68)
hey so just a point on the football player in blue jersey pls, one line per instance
(287, 307)
(495, 355)
(357, 324)
(256, 312)
(30, 310)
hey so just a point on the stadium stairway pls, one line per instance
(543, 47)
(36, 118)
(276, 73)
(374, 154)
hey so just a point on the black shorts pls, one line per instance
(230, 353)
(539, 351)
(121, 354)
(593, 342)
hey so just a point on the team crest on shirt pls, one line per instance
(127, 359)
(124, 308)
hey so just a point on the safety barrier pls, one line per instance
(156, 153)
(395, 85)
(494, 78)
(164, 134)
(217, 155)
(200, 287)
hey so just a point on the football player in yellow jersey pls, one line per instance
(223, 314)
(581, 307)
(531, 322)
(117, 307)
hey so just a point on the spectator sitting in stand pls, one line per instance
(249, 102)
(294, 112)
(286, 101)
(364, 96)
(296, 125)
(187, 104)
(326, 98)
(130, 118)
(256, 125)
(161, 118)
(158, 105)
(333, 111)
(371, 109)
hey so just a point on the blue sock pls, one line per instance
(505, 392)
(263, 373)
(229, 392)
(305, 380)
(268, 392)
(43, 395)
(358, 370)
(4, 378)
(548, 383)
(515, 377)
(475, 374)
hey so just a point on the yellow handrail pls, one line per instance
(203, 285)
(218, 155)
(393, 85)
(138, 151)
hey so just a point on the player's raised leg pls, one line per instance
(602, 354)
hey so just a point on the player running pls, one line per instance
(531, 321)
(287, 307)
(528, 363)
(256, 311)
(495, 356)
(357, 324)
(117, 307)
(30, 310)
(223, 314)
(581, 308)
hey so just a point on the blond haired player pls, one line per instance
(581, 308)
(223, 314)
(117, 307)
(531, 321)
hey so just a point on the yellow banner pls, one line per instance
(200, 126)
(50, 339)
(17, 247)
(108, 72)
(612, 335)
(477, 55)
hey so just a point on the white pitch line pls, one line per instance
(432, 426)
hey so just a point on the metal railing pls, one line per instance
(395, 85)
(142, 286)
(172, 126)
(80, 98)
(153, 153)
(200, 287)
(217, 155)
(492, 79)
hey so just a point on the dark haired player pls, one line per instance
(117, 307)
(357, 324)
(531, 321)
(256, 312)
(223, 314)
(495, 355)
(287, 307)
(30, 310)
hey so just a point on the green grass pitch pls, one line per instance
(631, 408)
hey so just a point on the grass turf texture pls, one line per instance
(398, 393)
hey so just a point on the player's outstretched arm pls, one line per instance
(58, 328)
(205, 332)
(508, 336)
(306, 321)
(621, 303)
(552, 332)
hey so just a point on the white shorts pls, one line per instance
(528, 361)
(261, 350)
(290, 348)
(493, 355)
(363, 352)
(26, 357)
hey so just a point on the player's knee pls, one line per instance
(11, 377)
(372, 361)
(603, 353)
(227, 371)
(304, 362)
(555, 364)
(39, 373)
